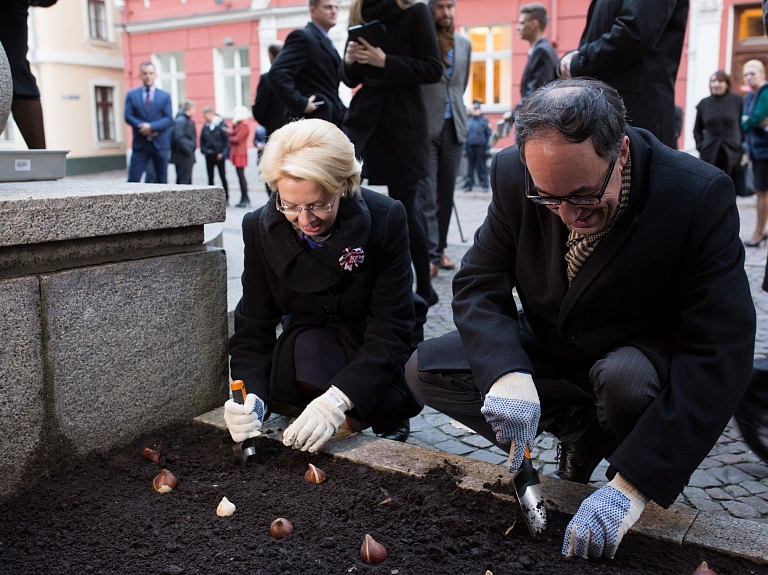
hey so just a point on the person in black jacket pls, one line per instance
(387, 119)
(214, 144)
(268, 108)
(541, 66)
(184, 143)
(330, 262)
(305, 74)
(636, 332)
(635, 46)
(717, 129)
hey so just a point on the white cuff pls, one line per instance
(515, 385)
(339, 398)
(623, 485)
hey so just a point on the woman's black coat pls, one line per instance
(387, 118)
(371, 307)
(718, 127)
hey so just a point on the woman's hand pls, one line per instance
(363, 52)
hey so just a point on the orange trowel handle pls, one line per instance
(527, 450)
(238, 392)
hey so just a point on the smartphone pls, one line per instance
(318, 102)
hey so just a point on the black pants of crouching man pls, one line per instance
(613, 394)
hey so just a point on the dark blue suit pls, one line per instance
(158, 114)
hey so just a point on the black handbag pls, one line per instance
(744, 179)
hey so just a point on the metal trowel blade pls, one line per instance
(528, 491)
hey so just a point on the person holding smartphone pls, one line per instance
(387, 118)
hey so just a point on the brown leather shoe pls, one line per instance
(433, 269)
(446, 263)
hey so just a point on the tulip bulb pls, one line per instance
(372, 552)
(151, 454)
(280, 528)
(314, 474)
(164, 482)
(703, 569)
(225, 508)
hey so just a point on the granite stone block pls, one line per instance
(22, 407)
(747, 539)
(135, 345)
(36, 212)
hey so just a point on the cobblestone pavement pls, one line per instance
(731, 480)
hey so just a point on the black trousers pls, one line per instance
(614, 393)
(210, 163)
(184, 166)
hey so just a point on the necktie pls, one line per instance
(148, 99)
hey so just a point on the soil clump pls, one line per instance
(101, 515)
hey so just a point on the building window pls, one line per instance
(171, 76)
(233, 79)
(749, 41)
(105, 113)
(491, 77)
(97, 19)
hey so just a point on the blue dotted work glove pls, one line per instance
(602, 520)
(244, 420)
(512, 409)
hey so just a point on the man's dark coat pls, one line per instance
(668, 279)
(268, 108)
(540, 69)
(370, 307)
(308, 64)
(635, 46)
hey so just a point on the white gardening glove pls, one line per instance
(244, 419)
(512, 409)
(318, 422)
(602, 520)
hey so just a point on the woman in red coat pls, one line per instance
(238, 150)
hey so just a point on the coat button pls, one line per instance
(328, 309)
(570, 334)
(333, 291)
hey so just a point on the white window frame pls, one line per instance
(168, 80)
(489, 57)
(109, 8)
(219, 73)
(118, 142)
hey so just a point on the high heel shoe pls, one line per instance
(757, 244)
(244, 203)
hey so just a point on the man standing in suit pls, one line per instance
(635, 46)
(636, 332)
(541, 67)
(447, 119)
(184, 143)
(305, 75)
(148, 110)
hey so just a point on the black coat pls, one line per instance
(371, 307)
(268, 108)
(387, 120)
(184, 137)
(308, 64)
(635, 46)
(718, 128)
(214, 142)
(540, 68)
(668, 279)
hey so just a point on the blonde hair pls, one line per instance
(240, 114)
(755, 64)
(313, 150)
(356, 10)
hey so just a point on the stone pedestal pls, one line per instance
(112, 318)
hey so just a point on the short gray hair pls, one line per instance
(580, 109)
(188, 105)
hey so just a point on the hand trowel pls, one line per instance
(528, 492)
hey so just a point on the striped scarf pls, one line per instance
(580, 246)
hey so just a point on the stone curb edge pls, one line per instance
(677, 525)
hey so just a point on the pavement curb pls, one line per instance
(678, 525)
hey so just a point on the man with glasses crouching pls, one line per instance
(330, 262)
(635, 332)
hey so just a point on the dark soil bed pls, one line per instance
(102, 516)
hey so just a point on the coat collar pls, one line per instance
(325, 41)
(306, 272)
(612, 243)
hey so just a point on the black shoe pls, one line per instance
(398, 432)
(244, 203)
(578, 459)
